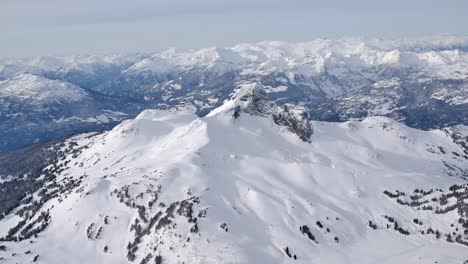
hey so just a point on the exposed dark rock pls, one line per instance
(372, 225)
(295, 120)
(305, 230)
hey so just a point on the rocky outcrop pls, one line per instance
(252, 99)
(295, 120)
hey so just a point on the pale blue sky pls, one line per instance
(42, 27)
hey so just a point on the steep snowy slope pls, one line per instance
(239, 185)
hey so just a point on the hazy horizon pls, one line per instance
(53, 27)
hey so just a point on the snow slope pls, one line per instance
(236, 187)
(33, 88)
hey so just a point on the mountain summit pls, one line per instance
(251, 98)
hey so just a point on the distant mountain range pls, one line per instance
(420, 82)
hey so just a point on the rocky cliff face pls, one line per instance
(295, 119)
(252, 99)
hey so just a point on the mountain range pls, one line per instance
(419, 82)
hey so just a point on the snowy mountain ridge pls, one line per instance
(32, 88)
(235, 187)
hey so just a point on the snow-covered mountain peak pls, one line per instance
(37, 88)
(170, 187)
(249, 98)
(295, 119)
(392, 57)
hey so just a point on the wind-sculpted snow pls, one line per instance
(421, 82)
(171, 187)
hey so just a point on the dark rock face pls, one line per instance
(296, 120)
(258, 104)
(252, 99)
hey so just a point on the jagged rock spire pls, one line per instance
(295, 119)
(248, 98)
(252, 99)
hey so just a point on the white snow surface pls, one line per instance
(387, 83)
(434, 57)
(30, 88)
(443, 57)
(259, 179)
